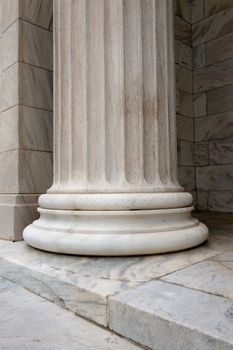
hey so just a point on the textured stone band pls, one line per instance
(116, 201)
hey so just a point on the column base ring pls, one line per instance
(115, 233)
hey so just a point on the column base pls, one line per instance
(115, 233)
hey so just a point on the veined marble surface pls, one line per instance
(214, 276)
(200, 105)
(182, 30)
(30, 322)
(220, 100)
(115, 291)
(83, 284)
(214, 6)
(164, 316)
(221, 201)
(211, 27)
(214, 76)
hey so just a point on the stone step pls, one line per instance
(31, 322)
(138, 297)
(84, 284)
(163, 316)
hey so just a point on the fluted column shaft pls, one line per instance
(114, 96)
(114, 105)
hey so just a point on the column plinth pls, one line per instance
(115, 189)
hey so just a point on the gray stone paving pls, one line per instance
(29, 322)
(178, 301)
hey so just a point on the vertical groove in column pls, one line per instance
(114, 90)
(69, 110)
(95, 92)
(172, 139)
(165, 93)
(57, 94)
(150, 118)
(161, 91)
(114, 96)
(65, 91)
(78, 77)
(133, 91)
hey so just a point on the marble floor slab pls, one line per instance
(29, 322)
(214, 276)
(83, 284)
(163, 316)
(55, 277)
(172, 301)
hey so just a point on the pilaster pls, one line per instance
(25, 112)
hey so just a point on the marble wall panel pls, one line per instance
(202, 198)
(211, 27)
(214, 177)
(7, 221)
(9, 45)
(39, 12)
(177, 101)
(221, 201)
(212, 38)
(220, 100)
(199, 56)
(221, 151)
(35, 129)
(183, 9)
(9, 90)
(9, 182)
(9, 136)
(214, 127)
(214, 6)
(185, 106)
(185, 129)
(187, 177)
(25, 132)
(35, 171)
(194, 194)
(219, 49)
(184, 79)
(199, 105)
(36, 45)
(25, 171)
(213, 76)
(197, 10)
(185, 153)
(16, 212)
(36, 87)
(183, 54)
(10, 13)
(0, 49)
(24, 214)
(201, 153)
(183, 31)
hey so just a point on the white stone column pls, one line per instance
(115, 189)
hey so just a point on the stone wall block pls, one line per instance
(221, 151)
